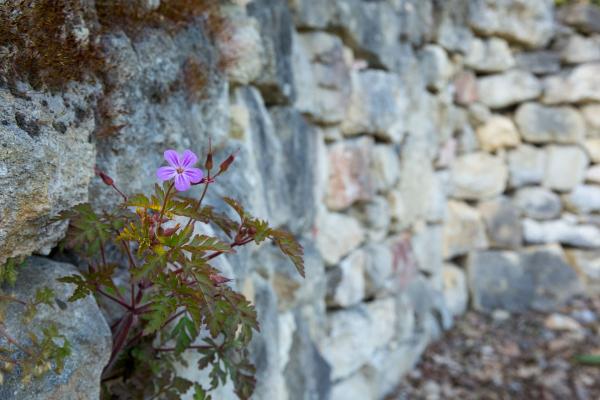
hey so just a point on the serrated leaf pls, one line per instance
(290, 247)
(204, 243)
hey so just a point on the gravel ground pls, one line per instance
(521, 356)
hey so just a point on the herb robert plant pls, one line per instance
(172, 299)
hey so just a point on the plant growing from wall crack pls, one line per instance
(173, 299)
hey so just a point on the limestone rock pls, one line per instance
(530, 23)
(565, 168)
(378, 106)
(456, 293)
(580, 49)
(538, 278)
(498, 132)
(379, 269)
(565, 231)
(353, 335)
(427, 246)
(478, 176)
(437, 68)
(465, 84)
(356, 386)
(491, 55)
(539, 61)
(538, 203)
(582, 84)
(376, 216)
(46, 164)
(541, 124)
(275, 22)
(508, 88)
(321, 76)
(593, 174)
(346, 282)
(526, 165)
(349, 173)
(337, 235)
(592, 147)
(386, 167)
(502, 223)
(587, 265)
(591, 114)
(584, 17)
(80, 322)
(584, 199)
(463, 231)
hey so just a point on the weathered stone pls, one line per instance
(80, 322)
(587, 265)
(579, 49)
(491, 55)
(530, 23)
(478, 176)
(541, 124)
(502, 223)
(437, 68)
(538, 203)
(378, 106)
(375, 215)
(465, 84)
(321, 76)
(537, 278)
(451, 25)
(559, 322)
(582, 84)
(42, 171)
(565, 167)
(385, 165)
(592, 147)
(456, 293)
(415, 197)
(307, 373)
(479, 114)
(565, 231)
(378, 270)
(593, 174)
(497, 133)
(584, 17)
(584, 199)
(354, 334)
(356, 386)
(538, 62)
(508, 88)
(349, 173)
(346, 282)
(275, 22)
(463, 231)
(526, 165)
(243, 46)
(404, 261)
(427, 246)
(591, 114)
(337, 235)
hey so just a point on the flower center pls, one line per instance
(179, 170)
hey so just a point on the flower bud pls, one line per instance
(225, 164)
(209, 161)
(105, 178)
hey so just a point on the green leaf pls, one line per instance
(82, 290)
(236, 206)
(204, 243)
(159, 314)
(200, 393)
(290, 247)
(45, 295)
(184, 334)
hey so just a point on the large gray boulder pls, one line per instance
(82, 324)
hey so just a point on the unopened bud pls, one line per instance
(209, 161)
(218, 279)
(225, 164)
(169, 231)
(105, 178)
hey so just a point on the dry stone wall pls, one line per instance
(431, 155)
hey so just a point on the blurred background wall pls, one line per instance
(432, 155)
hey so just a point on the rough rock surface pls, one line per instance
(82, 324)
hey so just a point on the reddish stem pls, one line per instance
(116, 300)
(119, 340)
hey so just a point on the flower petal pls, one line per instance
(172, 158)
(195, 175)
(182, 182)
(188, 159)
(166, 173)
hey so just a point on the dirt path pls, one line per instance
(527, 356)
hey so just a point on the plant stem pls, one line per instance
(192, 220)
(119, 340)
(13, 299)
(116, 300)
(164, 205)
(165, 349)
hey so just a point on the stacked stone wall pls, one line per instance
(431, 155)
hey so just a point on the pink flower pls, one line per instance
(180, 169)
